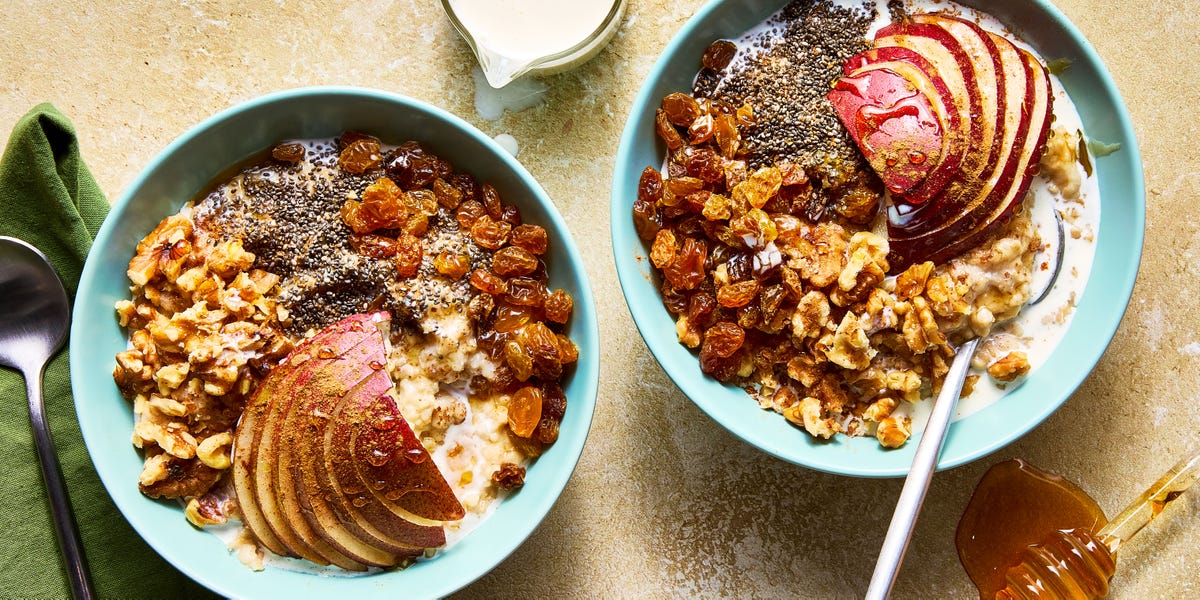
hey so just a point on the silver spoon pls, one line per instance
(34, 319)
(916, 484)
(912, 496)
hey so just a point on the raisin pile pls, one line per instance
(712, 224)
(394, 211)
(520, 320)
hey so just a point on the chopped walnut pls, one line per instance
(1007, 369)
(809, 415)
(201, 326)
(879, 409)
(892, 432)
(811, 316)
(851, 348)
(205, 510)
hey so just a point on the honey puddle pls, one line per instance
(1029, 534)
(1016, 506)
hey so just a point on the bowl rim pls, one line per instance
(631, 260)
(550, 484)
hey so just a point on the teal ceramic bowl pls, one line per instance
(1119, 246)
(173, 178)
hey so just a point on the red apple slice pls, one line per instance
(385, 450)
(946, 61)
(242, 454)
(245, 456)
(954, 129)
(286, 471)
(893, 123)
(375, 521)
(1026, 164)
(973, 52)
(991, 194)
(304, 488)
(330, 370)
(327, 507)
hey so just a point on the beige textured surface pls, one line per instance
(665, 503)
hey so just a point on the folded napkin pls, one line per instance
(49, 199)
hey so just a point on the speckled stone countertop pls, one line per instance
(665, 502)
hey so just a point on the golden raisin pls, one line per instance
(511, 318)
(662, 252)
(468, 212)
(490, 233)
(480, 307)
(718, 55)
(681, 109)
(452, 265)
(568, 352)
(738, 294)
(650, 185)
(542, 345)
(513, 261)
(447, 195)
(688, 269)
(290, 152)
(667, 131)
(530, 237)
(525, 410)
(408, 255)
(519, 361)
(491, 202)
(554, 401)
(360, 155)
(745, 115)
(511, 215)
(524, 291)
(487, 282)
(421, 201)
(723, 339)
(354, 218)
(559, 306)
(547, 431)
(728, 138)
(701, 130)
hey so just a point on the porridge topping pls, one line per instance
(766, 226)
(247, 328)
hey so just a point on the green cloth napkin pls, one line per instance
(49, 199)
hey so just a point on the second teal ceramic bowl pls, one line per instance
(175, 177)
(1118, 251)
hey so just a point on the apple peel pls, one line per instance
(961, 70)
(290, 501)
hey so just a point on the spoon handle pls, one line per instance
(64, 520)
(912, 496)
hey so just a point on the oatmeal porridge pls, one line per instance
(832, 280)
(343, 355)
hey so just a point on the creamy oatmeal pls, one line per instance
(229, 294)
(769, 236)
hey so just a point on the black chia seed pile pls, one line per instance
(289, 216)
(784, 71)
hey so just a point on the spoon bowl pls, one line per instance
(34, 320)
(34, 312)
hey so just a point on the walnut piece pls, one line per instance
(1010, 367)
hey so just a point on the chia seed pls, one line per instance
(784, 71)
(289, 216)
